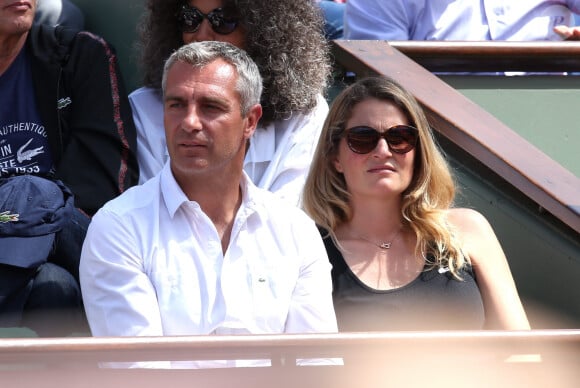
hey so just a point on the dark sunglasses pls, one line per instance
(400, 138)
(190, 18)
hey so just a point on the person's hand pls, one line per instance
(568, 33)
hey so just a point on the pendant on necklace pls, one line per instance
(385, 245)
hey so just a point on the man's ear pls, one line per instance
(252, 118)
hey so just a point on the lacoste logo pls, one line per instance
(7, 217)
(63, 102)
(22, 155)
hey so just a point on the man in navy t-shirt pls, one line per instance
(24, 147)
(67, 146)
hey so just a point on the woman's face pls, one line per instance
(205, 31)
(380, 172)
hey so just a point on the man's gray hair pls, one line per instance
(200, 54)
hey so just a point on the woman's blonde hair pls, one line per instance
(424, 203)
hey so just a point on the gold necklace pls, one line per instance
(382, 245)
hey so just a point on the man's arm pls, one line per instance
(311, 308)
(99, 156)
(118, 296)
(382, 20)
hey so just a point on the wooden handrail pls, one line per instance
(283, 346)
(514, 160)
(403, 359)
(492, 56)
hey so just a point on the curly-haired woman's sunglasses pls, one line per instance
(400, 138)
(190, 18)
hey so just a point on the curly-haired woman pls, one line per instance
(403, 258)
(285, 39)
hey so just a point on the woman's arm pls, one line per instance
(503, 307)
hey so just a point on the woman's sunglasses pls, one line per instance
(190, 18)
(400, 138)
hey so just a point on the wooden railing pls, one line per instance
(489, 142)
(410, 359)
(488, 56)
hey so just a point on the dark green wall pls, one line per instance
(545, 110)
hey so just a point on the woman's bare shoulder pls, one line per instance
(466, 219)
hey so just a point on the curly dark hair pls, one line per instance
(284, 38)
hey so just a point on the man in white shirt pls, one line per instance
(470, 20)
(199, 249)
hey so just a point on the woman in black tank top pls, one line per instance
(403, 258)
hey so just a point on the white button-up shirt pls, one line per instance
(278, 158)
(152, 265)
(514, 20)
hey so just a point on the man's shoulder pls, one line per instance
(136, 199)
(58, 44)
(45, 36)
(278, 208)
(63, 42)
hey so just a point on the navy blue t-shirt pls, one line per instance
(24, 147)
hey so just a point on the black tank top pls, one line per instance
(433, 301)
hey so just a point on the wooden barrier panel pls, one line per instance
(409, 359)
(492, 56)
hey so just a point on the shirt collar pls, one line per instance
(174, 197)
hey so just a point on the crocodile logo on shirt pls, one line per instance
(7, 217)
(23, 154)
(63, 103)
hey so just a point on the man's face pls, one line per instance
(16, 16)
(204, 127)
